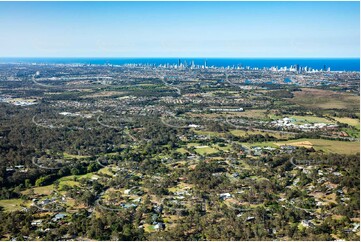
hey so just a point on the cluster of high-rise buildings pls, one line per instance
(300, 69)
(179, 65)
(190, 64)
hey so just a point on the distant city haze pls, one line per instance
(335, 64)
(180, 29)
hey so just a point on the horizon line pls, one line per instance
(177, 57)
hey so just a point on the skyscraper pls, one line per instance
(297, 67)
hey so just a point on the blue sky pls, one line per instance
(179, 29)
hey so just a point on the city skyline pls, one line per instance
(180, 29)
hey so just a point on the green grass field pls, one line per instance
(310, 119)
(182, 150)
(149, 228)
(106, 171)
(72, 177)
(225, 148)
(208, 133)
(70, 156)
(243, 133)
(10, 205)
(68, 183)
(260, 144)
(43, 190)
(349, 121)
(256, 114)
(206, 150)
(329, 146)
(192, 144)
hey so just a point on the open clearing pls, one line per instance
(330, 146)
(202, 150)
(260, 144)
(324, 99)
(306, 144)
(10, 205)
(224, 148)
(70, 156)
(182, 151)
(68, 183)
(109, 170)
(243, 133)
(192, 144)
(90, 175)
(43, 190)
(256, 113)
(349, 121)
(310, 119)
(209, 133)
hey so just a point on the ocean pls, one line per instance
(336, 64)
